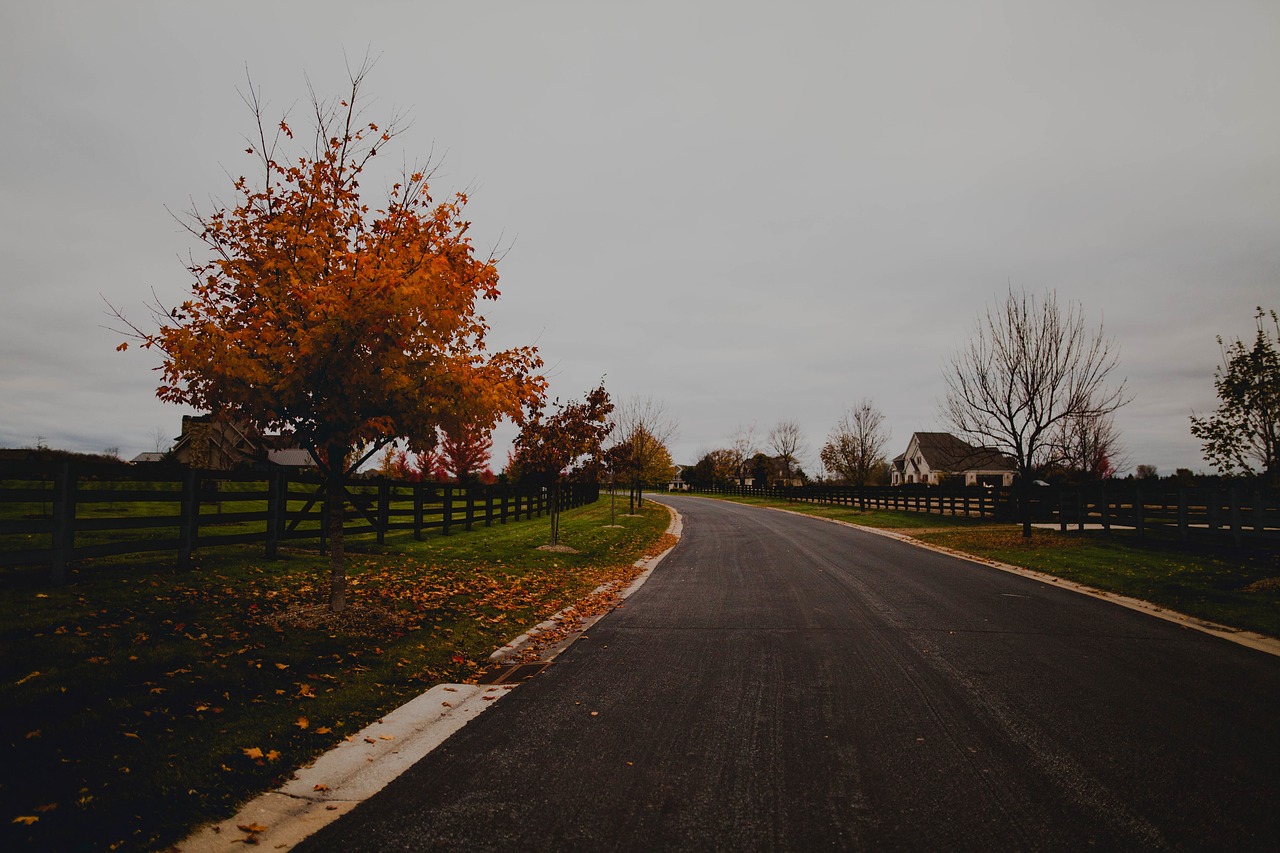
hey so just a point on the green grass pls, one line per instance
(131, 694)
(1240, 589)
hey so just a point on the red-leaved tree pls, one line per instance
(345, 323)
(551, 443)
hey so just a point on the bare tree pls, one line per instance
(787, 442)
(1027, 368)
(743, 444)
(642, 431)
(1089, 446)
(855, 448)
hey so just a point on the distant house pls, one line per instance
(221, 444)
(932, 457)
(149, 457)
(677, 483)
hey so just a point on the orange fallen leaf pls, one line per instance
(47, 807)
(27, 819)
(323, 730)
(253, 752)
(302, 722)
(273, 755)
(321, 787)
(27, 678)
(132, 735)
(251, 827)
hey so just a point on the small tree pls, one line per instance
(550, 444)
(344, 325)
(464, 451)
(854, 450)
(1026, 369)
(1146, 472)
(1245, 429)
(787, 441)
(743, 444)
(643, 429)
(1088, 447)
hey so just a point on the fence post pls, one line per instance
(1236, 533)
(1182, 515)
(417, 510)
(188, 517)
(1062, 509)
(275, 488)
(470, 512)
(1139, 509)
(384, 509)
(64, 521)
(1259, 522)
(446, 492)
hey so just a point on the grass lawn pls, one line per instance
(140, 701)
(1240, 589)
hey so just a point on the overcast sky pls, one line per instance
(749, 211)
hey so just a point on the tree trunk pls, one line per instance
(337, 554)
(555, 514)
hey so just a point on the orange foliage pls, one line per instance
(341, 324)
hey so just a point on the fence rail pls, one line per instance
(54, 514)
(1237, 512)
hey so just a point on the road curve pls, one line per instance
(783, 683)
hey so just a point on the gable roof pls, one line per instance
(945, 452)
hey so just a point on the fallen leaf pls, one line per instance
(320, 788)
(273, 755)
(302, 722)
(25, 679)
(386, 737)
(282, 666)
(251, 827)
(253, 752)
(33, 734)
(323, 730)
(132, 735)
(47, 807)
(27, 819)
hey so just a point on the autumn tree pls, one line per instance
(642, 431)
(1244, 430)
(787, 442)
(552, 442)
(343, 323)
(464, 450)
(1028, 367)
(854, 450)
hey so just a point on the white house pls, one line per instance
(932, 457)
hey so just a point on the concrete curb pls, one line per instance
(366, 762)
(1250, 639)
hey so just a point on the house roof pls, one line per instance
(293, 457)
(945, 452)
(148, 456)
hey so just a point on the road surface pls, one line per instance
(784, 683)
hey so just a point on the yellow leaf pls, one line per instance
(323, 730)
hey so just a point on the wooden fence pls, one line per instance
(54, 514)
(1237, 513)
(974, 501)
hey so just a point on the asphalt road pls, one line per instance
(783, 683)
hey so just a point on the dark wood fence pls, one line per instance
(1237, 513)
(53, 514)
(972, 501)
(1240, 513)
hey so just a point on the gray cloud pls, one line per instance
(752, 211)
